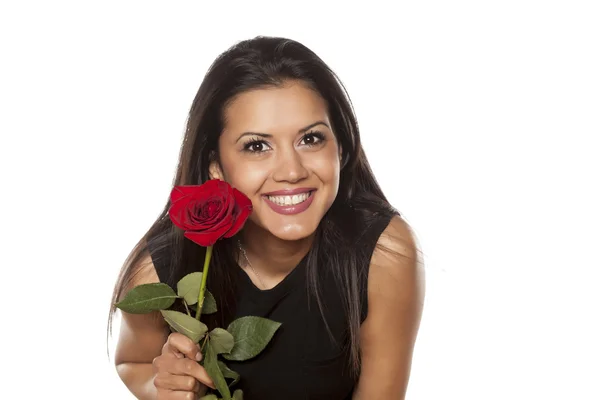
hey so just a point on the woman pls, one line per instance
(323, 252)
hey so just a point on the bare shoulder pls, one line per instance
(396, 289)
(397, 251)
(396, 274)
(400, 242)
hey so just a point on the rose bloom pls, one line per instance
(209, 211)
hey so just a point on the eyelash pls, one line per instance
(252, 141)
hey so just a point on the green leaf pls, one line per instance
(209, 397)
(238, 395)
(189, 287)
(146, 298)
(212, 368)
(229, 373)
(184, 324)
(209, 306)
(222, 341)
(251, 336)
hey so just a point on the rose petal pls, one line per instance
(224, 200)
(193, 198)
(219, 212)
(201, 238)
(209, 211)
(195, 191)
(241, 199)
(178, 214)
(230, 200)
(179, 192)
(212, 185)
(182, 199)
(208, 237)
(242, 212)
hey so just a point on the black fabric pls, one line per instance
(301, 362)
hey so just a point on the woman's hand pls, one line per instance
(177, 372)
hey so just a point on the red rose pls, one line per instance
(209, 211)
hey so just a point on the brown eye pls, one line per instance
(313, 138)
(256, 146)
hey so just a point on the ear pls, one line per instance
(214, 170)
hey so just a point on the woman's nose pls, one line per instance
(290, 168)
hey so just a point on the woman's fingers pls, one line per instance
(170, 365)
(166, 394)
(192, 368)
(178, 343)
(177, 367)
(176, 382)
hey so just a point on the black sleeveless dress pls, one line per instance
(301, 362)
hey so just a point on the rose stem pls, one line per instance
(203, 285)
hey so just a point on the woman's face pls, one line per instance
(277, 147)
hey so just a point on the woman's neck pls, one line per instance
(270, 255)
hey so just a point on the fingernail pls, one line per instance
(198, 356)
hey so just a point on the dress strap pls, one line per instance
(368, 243)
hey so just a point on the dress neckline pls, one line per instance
(288, 283)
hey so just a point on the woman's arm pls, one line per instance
(141, 339)
(396, 292)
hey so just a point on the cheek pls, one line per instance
(244, 176)
(327, 166)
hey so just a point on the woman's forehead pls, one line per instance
(270, 110)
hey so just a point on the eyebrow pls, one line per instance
(266, 135)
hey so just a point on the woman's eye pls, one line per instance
(256, 146)
(313, 138)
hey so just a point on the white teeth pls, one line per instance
(289, 200)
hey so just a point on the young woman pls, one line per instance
(323, 252)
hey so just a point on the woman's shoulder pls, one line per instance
(397, 254)
(396, 242)
(385, 243)
(396, 291)
(399, 236)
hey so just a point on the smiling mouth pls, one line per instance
(290, 200)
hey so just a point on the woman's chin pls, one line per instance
(292, 232)
(288, 230)
(293, 237)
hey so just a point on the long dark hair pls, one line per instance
(251, 64)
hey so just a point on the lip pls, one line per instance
(289, 192)
(291, 209)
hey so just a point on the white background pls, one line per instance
(481, 120)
